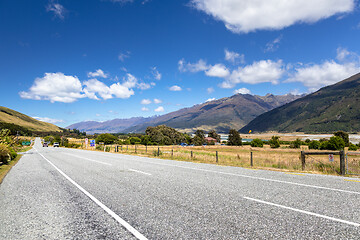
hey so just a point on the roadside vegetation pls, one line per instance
(167, 143)
(10, 145)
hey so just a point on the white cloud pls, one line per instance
(159, 109)
(144, 109)
(123, 56)
(258, 72)
(55, 87)
(157, 101)
(210, 99)
(249, 15)
(192, 67)
(146, 101)
(97, 73)
(93, 87)
(273, 45)
(156, 73)
(218, 70)
(316, 76)
(234, 57)
(57, 9)
(130, 81)
(121, 91)
(242, 91)
(175, 88)
(143, 86)
(210, 90)
(49, 120)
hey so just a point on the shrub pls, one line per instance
(296, 143)
(4, 154)
(274, 142)
(335, 143)
(107, 149)
(134, 140)
(13, 154)
(100, 147)
(314, 144)
(256, 143)
(353, 147)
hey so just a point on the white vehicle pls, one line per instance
(56, 144)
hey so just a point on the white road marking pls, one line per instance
(133, 231)
(88, 159)
(241, 175)
(305, 212)
(133, 170)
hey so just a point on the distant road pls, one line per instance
(57, 193)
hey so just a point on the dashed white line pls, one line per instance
(133, 170)
(131, 229)
(88, 159)
(305, 212)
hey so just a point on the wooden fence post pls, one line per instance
(342, 162)
(191, 154)
(302, 160)
(217, 157)
(158, 151)
(135, 148)
(251, 159)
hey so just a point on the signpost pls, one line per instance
(331, 157)
(86, 142)
(26, 143)
(92, 143)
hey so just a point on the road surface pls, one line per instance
(57, 193)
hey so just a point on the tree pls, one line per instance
(314, 144)
(274, 142)
(134, 140)
(106, 138)
(164, 135)
(344, 136)
(296, 143)
(214, 135)
(234, 138)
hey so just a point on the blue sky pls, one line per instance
(68, 61)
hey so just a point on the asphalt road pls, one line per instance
(57, 193)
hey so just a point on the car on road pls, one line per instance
(56, 144)
(45, 144)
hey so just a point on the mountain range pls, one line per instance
(332, 108)
(221, 115)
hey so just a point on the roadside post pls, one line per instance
(251, 159)
(86, 142)
(217, 157)
(135, 148)
(191, 154)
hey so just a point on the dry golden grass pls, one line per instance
(283, 158)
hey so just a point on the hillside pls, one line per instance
(111, 126)
(332, 108)
(10, 116)
(221, 115)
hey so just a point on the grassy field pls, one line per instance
(283, 158)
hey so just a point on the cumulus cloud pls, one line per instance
(146, 101)
(175, 88)
(243, 16)
(258, 72)
(49, 120)
(55, 87)
(94, 88)
(123, 56)
(273, 45)
(160, 109)
(319, 75)
(242, 91)
(218, 70)
(234, 57)
(210, 90)
(57, 9)
(192, 67)
(156, 74)
(97, 73)
(157, 101)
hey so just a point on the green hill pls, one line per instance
(332, 108)
(9, 116)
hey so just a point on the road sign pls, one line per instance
(92, 143)
(86, 141)
(26, 143)
(331, 157)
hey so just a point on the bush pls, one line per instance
(106, 138)
(353, 147)
(100, 147)
(296, 143)
(256, 143)
(274, 142)
(335, 143)
(4, 154)
(134, 140)
(13, 154)
(314, 144)
(107, 149)
(72, 145)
